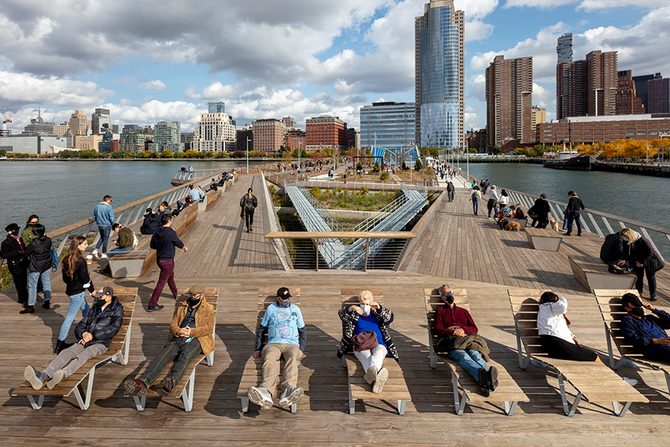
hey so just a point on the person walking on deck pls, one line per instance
(475, 195)
(248, 203)
(575, 205)
(103, 213)
(450, 191)
(492, 204)
(164, 241)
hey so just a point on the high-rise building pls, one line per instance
(78, 123)
(295, 139)
(215, 132)
(289, 122)
(167, 136)
(538, 115)
(439, 59)
(627, 102)
(601, 83)
(571, 89)
(100, 121)
(509, 98)
(387, 124)
(325, 132)
(247, 133)
(216, 107)
(659, 94)
(38, 125)
(186, 139)
(564, 48)
(353, 138)
(134, 141)
(642, 89)
(268, 135)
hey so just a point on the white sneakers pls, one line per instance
(260, 396)
(103, 256)
(56, 379)
(371, 375)
(291, 396)
(382, 377)
(95, 254)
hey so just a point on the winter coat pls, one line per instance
(11, 250)
(384, 317)
(75, 285)
(204, 324)
(126, 238)
(164, 241)
(541, 208)
(636, 335)
(612, 249)
(641, 251)
(248, 203)
(103, 325)
(149, 227)
(27, 236)
(575, 204)
(39, 251)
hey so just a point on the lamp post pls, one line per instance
(248, 139)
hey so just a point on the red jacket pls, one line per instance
(456, 316)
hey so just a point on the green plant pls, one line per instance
(359, 166)
(418, 165)
(316, 192)
(364, 191)
(384, 176)
(272, 189)
(377, 167)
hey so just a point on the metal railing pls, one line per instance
(187, 176)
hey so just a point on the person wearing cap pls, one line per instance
(646, 332)
(12, 250)
(285, 327)
(94, 333)
(191, 335)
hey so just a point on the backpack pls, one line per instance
(55, 260)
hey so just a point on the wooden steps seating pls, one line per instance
(593, 274)
(253, 369)
(507, 391)
(544, 239)
(185, 388)
(612, 311)
(118, 350)
(395, 387)
(593, 381)
(211, 197)
(142, 258)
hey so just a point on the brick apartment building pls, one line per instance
(268, 135)
(589, 130)
(326, 132)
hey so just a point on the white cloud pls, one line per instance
(588, 5)
(545, 4)
(156, 84)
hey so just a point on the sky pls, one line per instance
(163, 60)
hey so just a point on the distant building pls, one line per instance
(134, 141)
(326, 132)
(167, 136)
(243, 135)
(295, 139)
(215, 132)
(509, 98)
(564, 48)
(216, 107)
(537, 115)
(289, 123)
(642, 89)
(659, 94)
(476, 139)
(38, 125)
(131, 128)
(86, 142)
(392, 123)
(108, 144)
(78, 123)
(353, 138)
(100, 121)
(627, 102)
(268, 135)
(61, 130)
(33, 144)
(602, 83)
(187, 140)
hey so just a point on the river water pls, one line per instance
(65, 192)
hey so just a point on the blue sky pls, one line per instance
(164, 59)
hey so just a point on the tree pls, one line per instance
(359, 166)
(434, 152)
(167, 153)
(496, 150)
(239, 154)
(418, 165)
(377, 167)
(3, 153)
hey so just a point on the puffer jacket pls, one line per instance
(102, 324)
(383, 315)
(612, 248)
(39, 251)
(204, 324)
(642, 251)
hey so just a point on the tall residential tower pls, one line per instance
(439, 53)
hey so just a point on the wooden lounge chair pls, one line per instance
(185, 388)
(118, 350)
(593, 381)
(395, 387)
(612, 311)
(253, 369)
(507, 391)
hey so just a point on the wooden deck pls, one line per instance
(464, 251)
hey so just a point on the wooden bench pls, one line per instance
(395, 387)
(507, 391)
(544, 239)
(210, 198)
(139, 261)
(118, 350)
(253, 369)
(593, 274)
(612, 311)
(593, 381)
(185, 388)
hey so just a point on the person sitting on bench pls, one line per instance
(646, 332)
(94, 333)
(191, 329)
(285, 327)
(459, 338)
(366, 332)
(555, 337)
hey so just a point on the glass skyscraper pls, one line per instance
(392, 123)
(216, 107)
(439, 75)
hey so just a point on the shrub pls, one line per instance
(384, 176)
(316, 192)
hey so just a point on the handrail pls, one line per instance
(340, 234)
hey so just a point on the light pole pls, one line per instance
(248, 139)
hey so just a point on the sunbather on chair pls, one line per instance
(646, 332)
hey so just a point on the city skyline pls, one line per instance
(305, 59)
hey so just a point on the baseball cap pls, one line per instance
(283, 293)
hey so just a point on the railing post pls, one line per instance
(316, 245)
(367, 245)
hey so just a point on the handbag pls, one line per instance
(364, 341)
(243, 214)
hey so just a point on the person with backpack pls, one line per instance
(39, 251)
(475, 195)
(12, 250)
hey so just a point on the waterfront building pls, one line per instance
(476, 139)
(131, 128)
(33, 144)
(268, 135)
(86, 142)
(439, 53)
(537, 115)
(659, 94)
(100, 121)
(642, 89)
(602, 83)
(38, 125)
(215, 132)
(387, 124)
(353, 138)
(109, 143)
(627, 102)
(242, 135)
(216, 107)
(326, 132)
(289, 123)
(603, 129)
(509, 98)
(134, 141)
(186, 139)
(570, 89)
(78, 123)
(167, 136)
(295, 139)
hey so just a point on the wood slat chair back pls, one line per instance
(185, 388)
(395, 387)
(118, 350)
(253, 369)
(609, 302)
(525, 303)
(465, 387)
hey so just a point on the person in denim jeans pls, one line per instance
(75, 276)
(39, 251)
(164, 241)
(475, 195)
(575, 205)
(103, 213)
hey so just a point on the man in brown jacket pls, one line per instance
(191, 334)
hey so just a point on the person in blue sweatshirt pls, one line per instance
(164, 241)
(103, 213)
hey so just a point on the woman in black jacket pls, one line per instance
(39, 251)
(541, 209)
(151, 222)
(642, 257)
(12, 250)
(575, 205)
(75, 276)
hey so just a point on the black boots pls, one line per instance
(28, 310)
(61, 345)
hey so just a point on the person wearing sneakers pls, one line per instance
(286, 338)
(366, 332)
(103, 213)
(39, 251)
(164, 241)
(459, 338)
(94, 333)
(191, 335)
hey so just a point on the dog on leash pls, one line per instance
(554, 224)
